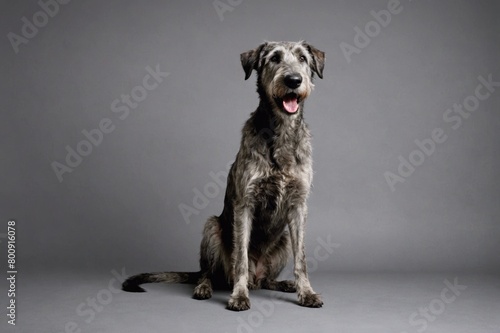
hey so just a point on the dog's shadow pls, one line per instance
(221, 294)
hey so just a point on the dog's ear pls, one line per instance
(318, 62)
(250, 60)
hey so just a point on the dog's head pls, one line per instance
(285, 72)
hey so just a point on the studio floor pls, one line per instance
(354, 303)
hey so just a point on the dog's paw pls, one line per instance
(287, 286)
(202, 291)
(253, 286)
(310, 300)
(239, 303)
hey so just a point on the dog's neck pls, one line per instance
(281, 130)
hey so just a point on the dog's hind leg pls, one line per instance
(210, 258)
(276, 260)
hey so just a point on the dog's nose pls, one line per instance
(293, 81)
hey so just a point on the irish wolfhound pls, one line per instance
(265, 210)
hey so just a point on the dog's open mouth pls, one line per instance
(290, 102)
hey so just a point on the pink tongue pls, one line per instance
(290, 105)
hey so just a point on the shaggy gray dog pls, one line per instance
(265, 209)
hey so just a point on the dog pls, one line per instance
(265, 209)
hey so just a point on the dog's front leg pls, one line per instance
(239, 300)
(307, 296)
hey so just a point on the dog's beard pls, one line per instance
(286, 99)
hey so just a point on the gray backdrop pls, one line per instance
(383, 89)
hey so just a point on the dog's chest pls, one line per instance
(276, 194)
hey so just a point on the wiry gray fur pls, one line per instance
(265, 210)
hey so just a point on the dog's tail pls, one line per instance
(132, 284)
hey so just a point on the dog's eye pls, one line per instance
(275, 58)
(302, 58)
